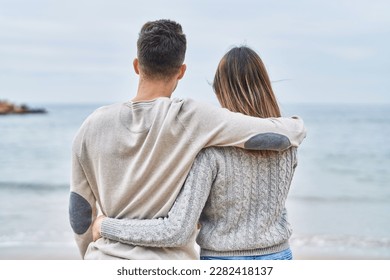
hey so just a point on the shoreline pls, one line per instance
(8, 108)
(37, 252)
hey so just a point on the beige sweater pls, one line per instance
(131, 159)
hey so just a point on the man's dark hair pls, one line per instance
(161, 48)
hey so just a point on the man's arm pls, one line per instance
(176, 229)
(222, 127)
(82, 206)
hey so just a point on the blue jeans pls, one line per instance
(283, 255)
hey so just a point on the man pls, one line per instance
(131, 159)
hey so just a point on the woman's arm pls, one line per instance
(175, 229)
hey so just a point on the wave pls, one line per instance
(341, 241)
(33, 186)
(24, 243)
(27, 186)
(342, 199)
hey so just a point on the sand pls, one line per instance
(71, 253)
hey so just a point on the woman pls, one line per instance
(238, 196)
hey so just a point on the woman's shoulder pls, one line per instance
(214, 150)
(231, 153)
(219, 154)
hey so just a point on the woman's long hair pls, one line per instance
(242, 84)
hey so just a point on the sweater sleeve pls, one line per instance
(82, 205)
(176, 229)
(221, 127)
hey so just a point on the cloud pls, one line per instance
(83, 46)
(353, 53)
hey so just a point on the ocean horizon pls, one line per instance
(339, 202)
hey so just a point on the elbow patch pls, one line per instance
(80, 213)
(268, 141)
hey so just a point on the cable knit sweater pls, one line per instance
(237, 196)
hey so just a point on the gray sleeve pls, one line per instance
(176, 229)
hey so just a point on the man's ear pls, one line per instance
(182, 71)
(136, 65)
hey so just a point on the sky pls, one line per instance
(81, 51)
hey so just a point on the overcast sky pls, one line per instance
(82, 50)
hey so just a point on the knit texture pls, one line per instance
(245, 213)
(130, 160)
(237, 196)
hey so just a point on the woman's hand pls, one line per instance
(96, 227)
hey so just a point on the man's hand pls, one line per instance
(96, 227)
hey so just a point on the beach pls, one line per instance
(38, 228)
(339, 202)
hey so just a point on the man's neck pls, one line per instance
(153, 89)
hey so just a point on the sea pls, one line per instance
(339, 202)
